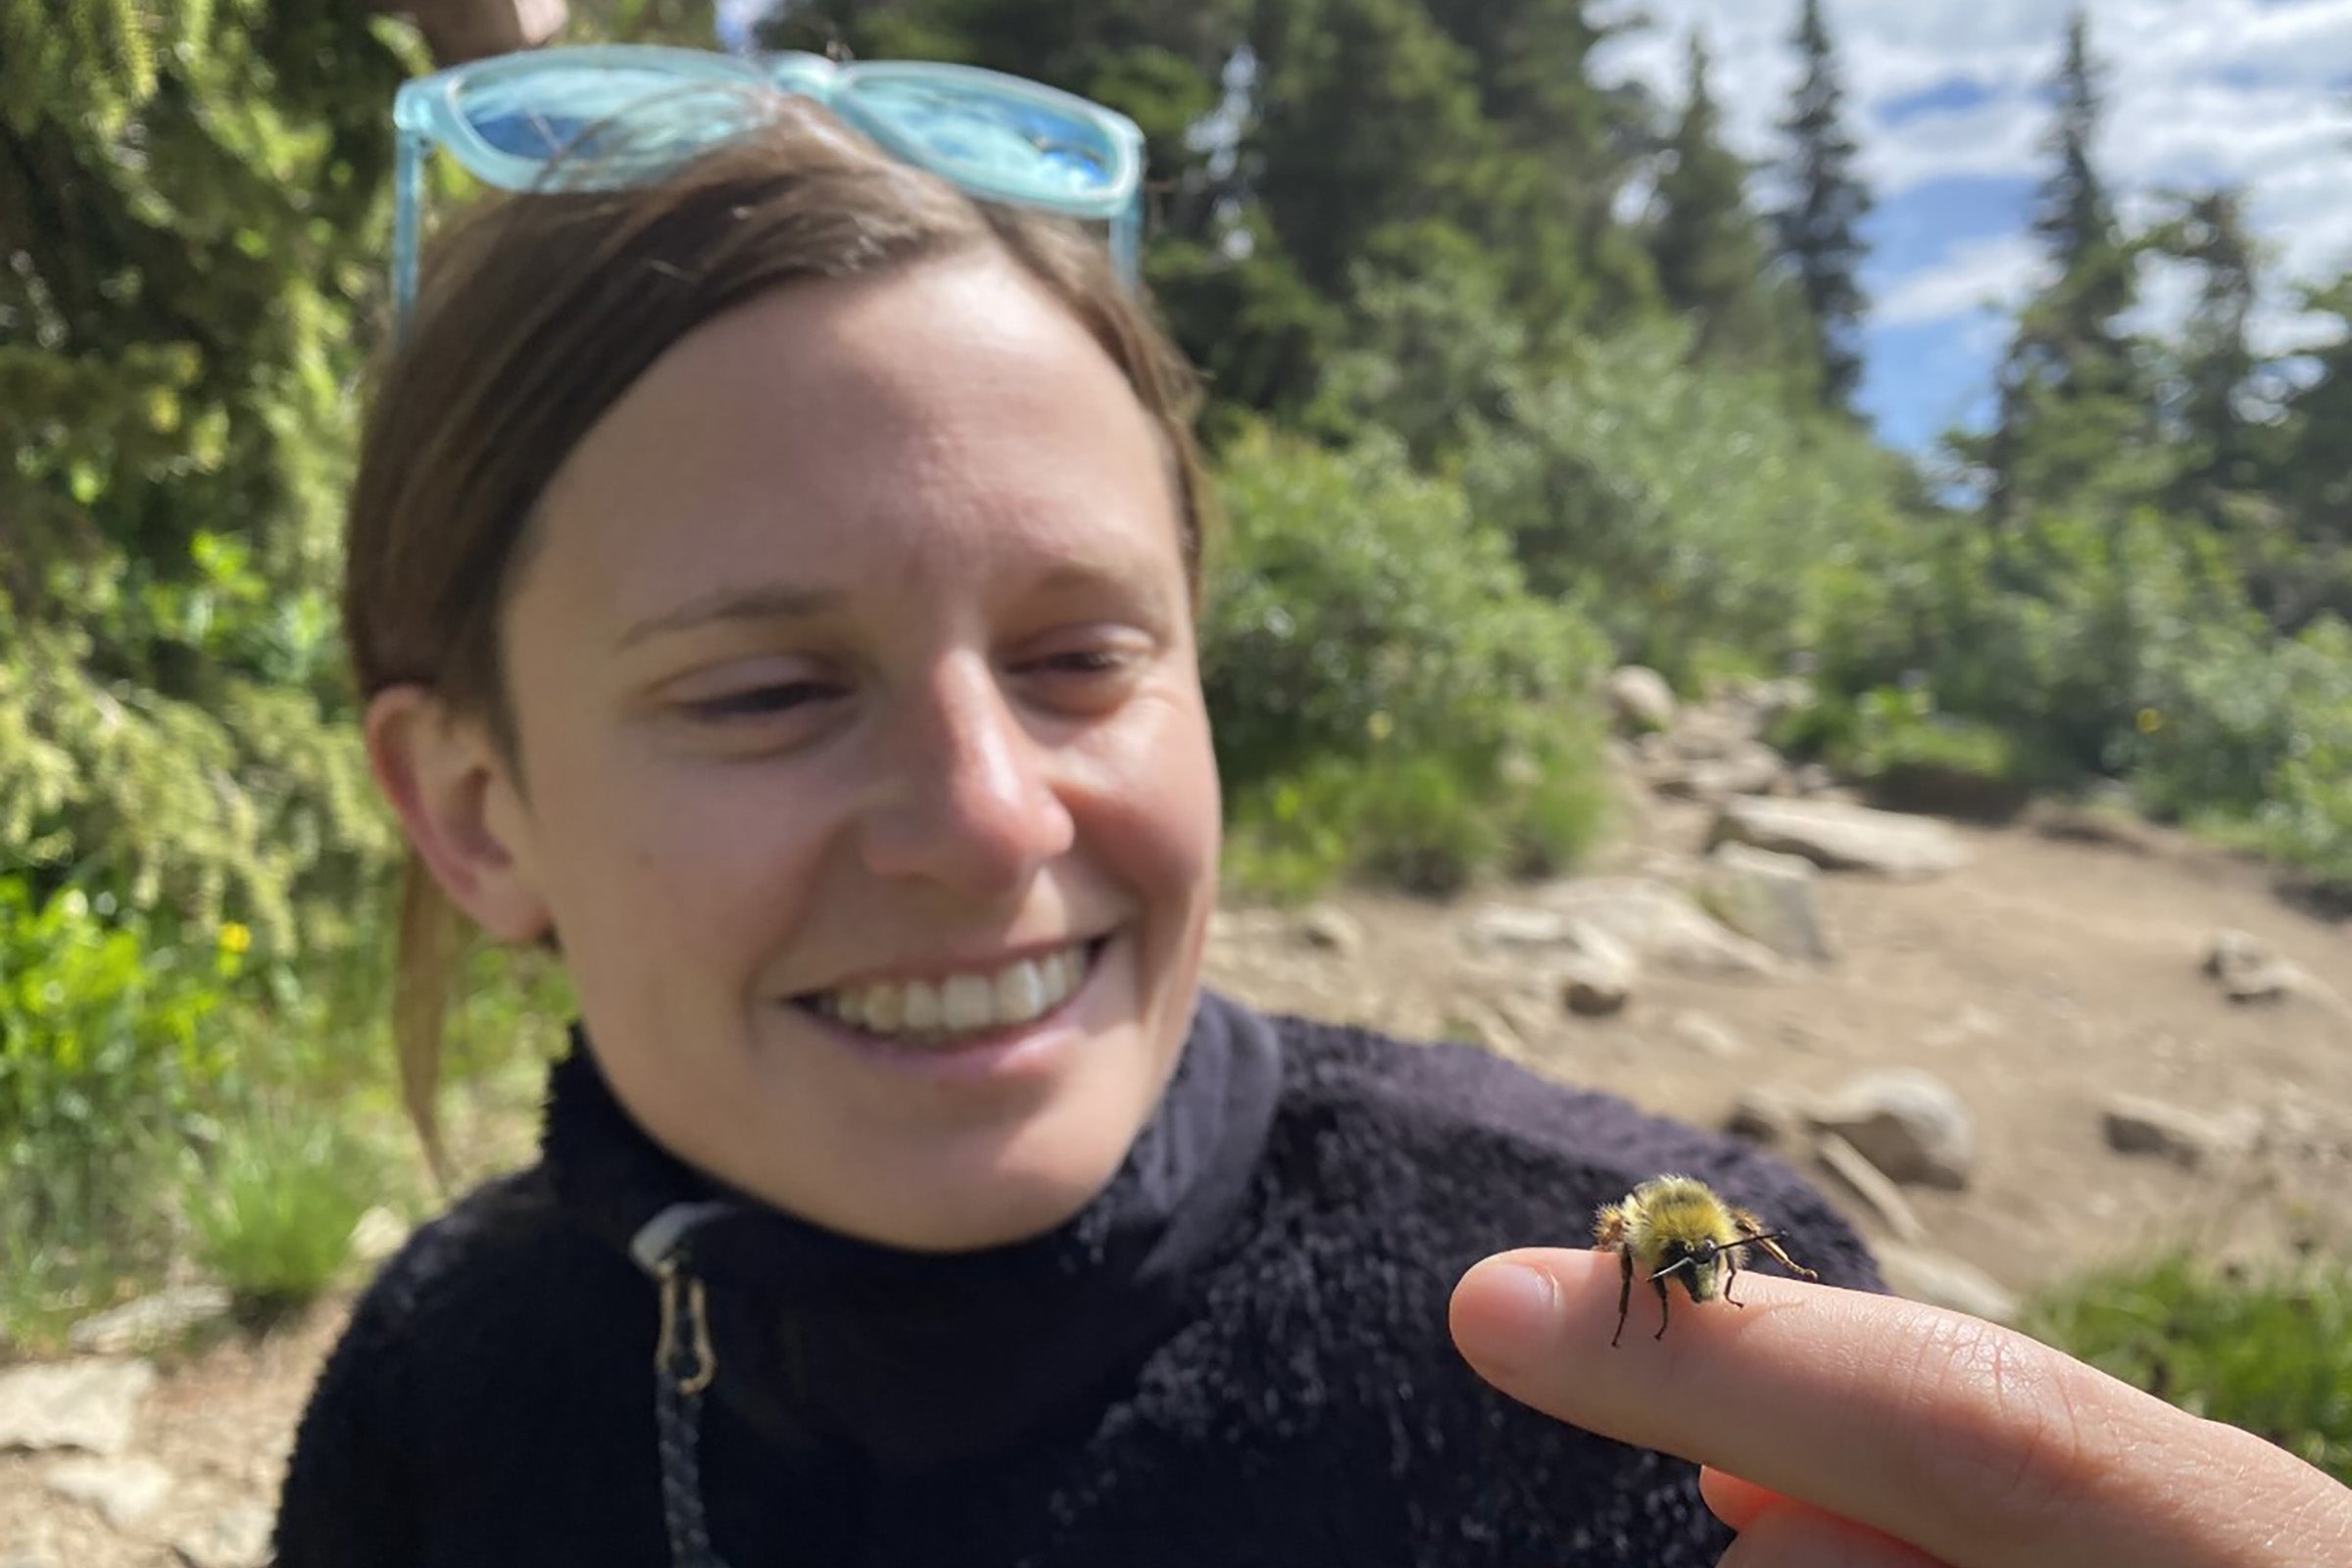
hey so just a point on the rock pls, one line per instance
(31, 1545)
(1747, 768)
(1597, 978)
(1640, 701)
(1708, 1036)
(238, 1538)
(378, 1234)
(1906, 1122)
(1812, 778)
(1884, 1201)
(1771, 897)
(123, 1491)
(89, 1405)
(150, 1323)
(1661, 926)
(1502, 926)
(1838, 837)
(2137, 1125)
(1941, 1280)
(2250, 973)
(1333, 929)
(1770, 1117)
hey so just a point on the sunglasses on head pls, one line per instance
(538, 120)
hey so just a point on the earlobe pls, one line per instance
(443, 776)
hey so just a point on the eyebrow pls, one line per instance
(758, 602)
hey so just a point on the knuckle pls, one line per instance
(1993, 1429)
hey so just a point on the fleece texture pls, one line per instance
(1237, 1356)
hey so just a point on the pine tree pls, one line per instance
(191, 200)
(1707, 246)
(2071, 407)
(2215, 363)
(1819, 232)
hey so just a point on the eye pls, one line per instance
(760, 702)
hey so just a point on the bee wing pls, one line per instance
(1753, 1234)
(1608, 1225)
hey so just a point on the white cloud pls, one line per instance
(1995, 272)
(2198, 93)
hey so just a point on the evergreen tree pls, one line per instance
(2072, 405)
(2215, 363)
(1819, 230)
(1707, 246)
(190, 197)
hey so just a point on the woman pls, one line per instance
(773, 586)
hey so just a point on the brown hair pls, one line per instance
(536, 312)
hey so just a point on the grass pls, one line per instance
(273, 1218)
(2269, 1352)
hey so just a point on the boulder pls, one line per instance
(1640, 701)
(91, 1406)
(1770, 897)
(1661, 926)
(1838, 837)
(1941, 1280)
(125, 1491)
(2137, 1125)
(1906, 1122)
(1883, 1199)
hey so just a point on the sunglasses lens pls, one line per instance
(1023, 148)
(602, 126)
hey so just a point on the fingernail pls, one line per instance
(1516, 1315)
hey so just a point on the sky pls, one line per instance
(1950, 101)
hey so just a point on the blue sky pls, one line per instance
(1948, 100)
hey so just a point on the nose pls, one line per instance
(968, 801)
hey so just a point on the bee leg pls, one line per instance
(1661, 1285)
(1625, 1292)
(1730, 1272)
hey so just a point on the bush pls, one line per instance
(274, 1213)
(2271, 1355)
(1389, 700)
(105, 1061)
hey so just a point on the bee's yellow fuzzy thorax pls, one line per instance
(1683, 1208)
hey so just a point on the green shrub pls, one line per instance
(2272, 1354)
(274, 1214)
(105, 1061)
(1389, 700)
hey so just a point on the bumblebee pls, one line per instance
(1676, 1228)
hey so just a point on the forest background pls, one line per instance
(1513, 378)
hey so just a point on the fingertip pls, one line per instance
(1505, 1311)
(1738, 1503)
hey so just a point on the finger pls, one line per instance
(1793, 1536)
(1734, 1501)
(1974, 1444)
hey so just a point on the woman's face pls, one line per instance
(866, 779)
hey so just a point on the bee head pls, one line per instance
(1692, 1265)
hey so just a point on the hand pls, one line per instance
(1845, 1430)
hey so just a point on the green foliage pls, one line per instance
(275, 1211)
(199, 183)
(1389, 700)
(106, 1062)
(1684, 509)
(2268, 1354)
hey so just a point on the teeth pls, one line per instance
(960, 1004)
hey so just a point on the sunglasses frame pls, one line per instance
(428, 112)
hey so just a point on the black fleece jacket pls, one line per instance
(1237, 1356)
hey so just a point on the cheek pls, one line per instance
(1152, 808)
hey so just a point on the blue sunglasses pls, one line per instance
(533, 121)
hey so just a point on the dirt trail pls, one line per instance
(2035, 981)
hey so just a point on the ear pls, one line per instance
(457, 801)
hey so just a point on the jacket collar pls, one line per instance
(921, 1361)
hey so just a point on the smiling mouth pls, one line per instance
(963, 1005)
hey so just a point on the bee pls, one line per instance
(1676, 1228)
